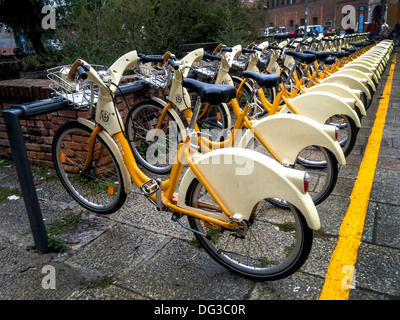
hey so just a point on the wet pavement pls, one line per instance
(138, 253)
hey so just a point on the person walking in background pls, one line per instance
(371, 28)
(384, 29)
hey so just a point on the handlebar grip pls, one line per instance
(211, 57)
(226, 49)
(72, 71)
(248, 50)
(82, 72)
(173, 64)
(275, 48)
(145, 59)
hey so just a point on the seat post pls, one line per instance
(196, 111)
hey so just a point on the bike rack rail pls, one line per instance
(17, 143)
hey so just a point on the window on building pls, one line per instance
(315, 20)
(291, 25)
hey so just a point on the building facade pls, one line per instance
(289, 13)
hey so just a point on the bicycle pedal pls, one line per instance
(151, 187)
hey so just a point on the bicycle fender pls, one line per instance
(174, 115)
(115, 150)
(320, 106)
(368, 65)
(341, 91)
(349, 82)
(295, 132)
(359, 75)
(241, 178)
(362, 68)
(373, 62)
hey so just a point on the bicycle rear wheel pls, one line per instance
(274, 244)
(321, 165)
(347, 131)
(100, 188)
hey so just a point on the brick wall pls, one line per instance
(39, 131)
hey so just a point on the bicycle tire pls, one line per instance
(347, 133)
(155, 149)
(215, 122)
(101, 188)
(254, 112)
(276, 244)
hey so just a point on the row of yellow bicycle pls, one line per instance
(244, 142)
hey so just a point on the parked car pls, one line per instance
(310, 28)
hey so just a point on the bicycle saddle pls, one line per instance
(321, 55)
(360, 44)
(351, 50)
(330, 61)
(263, 80)
(211, 93)
(303, 57)
(338, 54)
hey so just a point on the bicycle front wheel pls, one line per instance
(274, 243)
(100, 188)
(154, 143)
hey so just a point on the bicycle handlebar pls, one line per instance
(226, 49)
(72, 72)
(211, 56)
(159, 59)
(173, 64)
(275, 48)
(145, 59)
(244, 50)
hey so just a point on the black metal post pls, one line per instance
(305, 19)
(11, 118)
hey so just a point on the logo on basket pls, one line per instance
(105, 116)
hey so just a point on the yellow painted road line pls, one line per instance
(340, 272)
